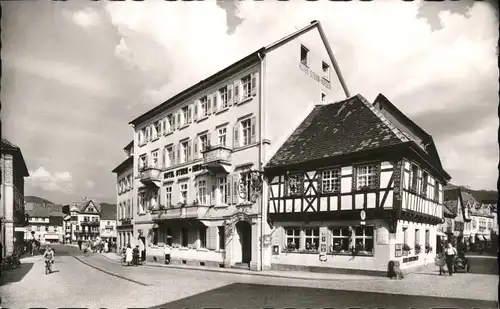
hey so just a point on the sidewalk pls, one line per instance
(269, 273)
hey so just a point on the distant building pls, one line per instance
(107, 226)
(125, 198)
(358, 183)
(45, 223)
(457, 226)
(12, 216)
(84, 221)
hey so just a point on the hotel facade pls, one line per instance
(355, 186)
(199, 156)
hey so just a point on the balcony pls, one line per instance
(89, 223)
(184, 212)
(215, 157)
(150, 175)
(126, 221)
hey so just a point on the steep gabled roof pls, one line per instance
(7, 147)
(45, 211)
(254, 57)
(128, 162)
(447, 211)
(82, 206)
(335, 129)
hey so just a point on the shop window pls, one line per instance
(405, 235)
(184, 237)
(169, 237)
(417, 237)
(340, 239)
(292, 238)
(364, 238)
(427, 237)
(311, 239)
(203, 237)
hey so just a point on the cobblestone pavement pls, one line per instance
(84, 284)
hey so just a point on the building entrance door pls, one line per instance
(244, 230)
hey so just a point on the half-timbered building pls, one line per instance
(355, 186)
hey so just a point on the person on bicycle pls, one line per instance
(49, 254)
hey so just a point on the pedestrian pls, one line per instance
(80, 244)
(167, 252)
(450, 254)
(135, 253)
(106, 247)
(128, 255)
(440, 262)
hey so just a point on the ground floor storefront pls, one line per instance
(351, 247)
(125, 236)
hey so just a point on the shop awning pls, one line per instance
(480, 237)
(49, 236)
(207, 223)
(486, 237)
(439, 233)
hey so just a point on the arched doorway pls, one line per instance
(244, 230)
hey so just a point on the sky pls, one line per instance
(76, 73)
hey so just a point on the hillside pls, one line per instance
(36, 199)
(485, 196)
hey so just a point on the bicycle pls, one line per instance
(48, 267)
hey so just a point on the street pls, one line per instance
(99, 282)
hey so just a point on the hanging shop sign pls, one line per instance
(363, 217)
(323, 248)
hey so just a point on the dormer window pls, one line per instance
(326, 71)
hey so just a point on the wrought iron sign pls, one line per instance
(250, 185)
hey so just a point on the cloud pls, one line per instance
(58, 181)
(85, 18)
(90, 184)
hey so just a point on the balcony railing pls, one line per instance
(180, 211)
(150, 174)
(216, 154)
(126, 221)
(90, 223)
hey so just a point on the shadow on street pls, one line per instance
(241, 295)
(15, 275)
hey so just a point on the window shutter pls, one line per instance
(228, 191)
(209, 140)
(189, 150)
(212, 195)
(212, 235)
(196, 193)
(195, 114)
(209, 104)
(147, 134)
(236, 142)
(235, 189)
(252, 122)
(190, 114)
(320, 182)
(178, 153)
(173, 155)
(254, 84)
(229, 95)
(195, 148)
(215, 106)
(178, 119)
(236, 92)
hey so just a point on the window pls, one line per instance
(222, 237)
(295, 184)
(364, 238)
(184, 193)
(425, 179)
(436, 191)
(184, 237)
(427, 237)
(170, 123)
(143, 162)
(185, 150)
(185, 115)
(417, 236)
(366, 176)
(323, 97)
(203, 237)
(244, 187)
(203, 142)
(304, 55)
(247, 86)
(223, 190)
(293, 238)
(405, 235)
(204, 107)
(154, 156)
(168, 196)
(224, 97)
(157, 129)
(326, 70)
(340, 239)
(38, 228)
(246, 132)
(221, 136)
(330, 181)
(311, 239)
(169, 156)
(202, 192)
(414, 177)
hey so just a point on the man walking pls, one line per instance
(450, 254)
(167, 254)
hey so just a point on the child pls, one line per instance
(440, 261)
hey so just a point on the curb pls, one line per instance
(110, 273)
(213, 269)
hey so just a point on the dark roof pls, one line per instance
(108, 211)
(45, 211)
(129, 145)
(8, 147)
(335, 129)
(447, 212)
(451, 207)
(82, 205)
(128, 162)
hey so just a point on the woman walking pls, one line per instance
(450, 254)
(128, 255)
